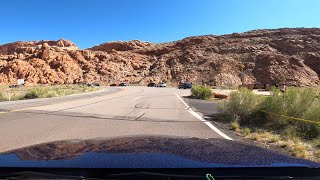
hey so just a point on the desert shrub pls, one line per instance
(247, 131)
(298, 103)
(36, 93)
(241, 105)
(235, 125)
(201, 92)
(272, 112)
(299, 150)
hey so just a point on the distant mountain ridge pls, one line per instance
(287, 55)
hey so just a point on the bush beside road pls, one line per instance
(26, 92)
(289, 120)
(201, 92)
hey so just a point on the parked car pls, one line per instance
(14, 86)
(152, 84)
(162, 84)
(186, 85)
(113, 84)
(90, 85)
(123, 84)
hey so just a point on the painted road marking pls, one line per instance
(198, 116)
(136, 98)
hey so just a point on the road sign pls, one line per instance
(20, 81)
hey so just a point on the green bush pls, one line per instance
(250, 110)
(298, 103)
(241, 106)
(201, 92)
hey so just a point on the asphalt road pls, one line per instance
(113, 112)
(118, 112)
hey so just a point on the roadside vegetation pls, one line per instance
(201, 92)
(7, 94)
(289, 121)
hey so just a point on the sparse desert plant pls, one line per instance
(299, 150)
(235, 125)
(273, 139)
(246, 131)
(255, 136)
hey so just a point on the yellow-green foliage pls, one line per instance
(235, 125)
(201, 92)
(250, 109)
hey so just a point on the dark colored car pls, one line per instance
(123, 84)
(14, 86)
(98, 158)
(152, 84)
(113, 84)
(186, 85)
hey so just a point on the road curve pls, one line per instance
(113, 112)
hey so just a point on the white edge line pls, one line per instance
(136, 98)
(203, 120)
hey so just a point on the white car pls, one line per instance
(162, 84)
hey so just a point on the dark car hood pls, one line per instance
(148, 152)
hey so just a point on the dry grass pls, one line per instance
(263, 136)
(235, 125)
(273, 139)
(26, 92)
(299, 150)
(294, 145)
(246, 131)
(255, 137)
(316, 156)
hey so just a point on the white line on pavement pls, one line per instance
(136, 98)
(203, 120)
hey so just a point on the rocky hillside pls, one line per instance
(290, 56)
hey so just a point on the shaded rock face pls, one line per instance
(290, 56)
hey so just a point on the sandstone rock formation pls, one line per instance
(289, 55)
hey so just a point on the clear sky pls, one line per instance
(92, 22)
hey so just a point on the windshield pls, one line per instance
(164, 84)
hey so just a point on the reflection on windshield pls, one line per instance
(152, 151)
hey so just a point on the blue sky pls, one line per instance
(92, 22)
